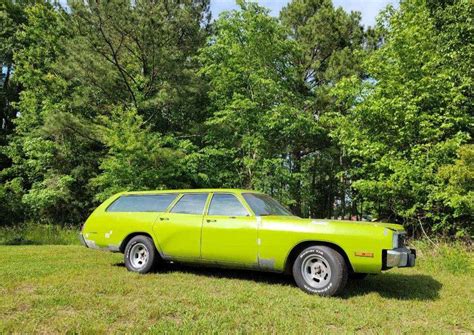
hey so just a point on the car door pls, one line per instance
(229, 232)
(178, 231)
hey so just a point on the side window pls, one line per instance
(226, 204)
(191, 204)
(142, 203)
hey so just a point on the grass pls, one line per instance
(68, 288)
(30, 233)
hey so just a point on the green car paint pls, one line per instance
(245, 241)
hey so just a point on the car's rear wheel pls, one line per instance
(140, 254)
(320, 270)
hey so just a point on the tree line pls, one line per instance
(334, 119)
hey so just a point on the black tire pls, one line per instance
(140, 245)
(324, 263)
(357, 276)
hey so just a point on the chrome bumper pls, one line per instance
(400, 257)
(91, 244)
(83, 241)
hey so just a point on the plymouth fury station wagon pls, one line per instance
(243, 229)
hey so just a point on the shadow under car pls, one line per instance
(387, 285)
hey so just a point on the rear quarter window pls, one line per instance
(142, 203)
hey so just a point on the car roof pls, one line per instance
(195, 190)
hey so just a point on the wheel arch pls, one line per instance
(125, 241)
(295, 251)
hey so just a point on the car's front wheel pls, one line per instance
(320, 270)
(140, 254)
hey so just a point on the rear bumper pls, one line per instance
(83, 241)
(399, 257)
(89, 243)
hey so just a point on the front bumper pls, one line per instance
(399, 257)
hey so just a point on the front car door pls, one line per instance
(178, 231)
(229, 232)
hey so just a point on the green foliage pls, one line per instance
(409, 119)
(11, 207)
(331, 47)
(454, 194)
(333, 119)
(138, 54)
(12, 16)
(265, 82)
(137, 158)
(29, 150)
(78, 69)
(247, 63)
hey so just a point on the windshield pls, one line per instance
(262, 204)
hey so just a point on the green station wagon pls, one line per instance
(243, 229)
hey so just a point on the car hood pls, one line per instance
(392, 226)
(335, 223)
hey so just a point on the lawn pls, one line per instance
(59, 288)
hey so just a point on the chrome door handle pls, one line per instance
(209, 220)
(164, 219)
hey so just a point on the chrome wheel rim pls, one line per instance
(139, 255)
(316, 271)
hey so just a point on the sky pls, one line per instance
(368, 8)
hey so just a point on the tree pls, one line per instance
(48, 160)
(331, 47)
(334, 121)
(139, 54)
(413, 113)
(82, 66)
(137, 158)
(256, 116)
(453, 196)
(12, 16)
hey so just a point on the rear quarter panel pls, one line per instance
(108, 230)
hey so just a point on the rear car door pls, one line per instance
(229, 232)
(178, 231)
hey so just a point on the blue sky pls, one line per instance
(368, 8)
